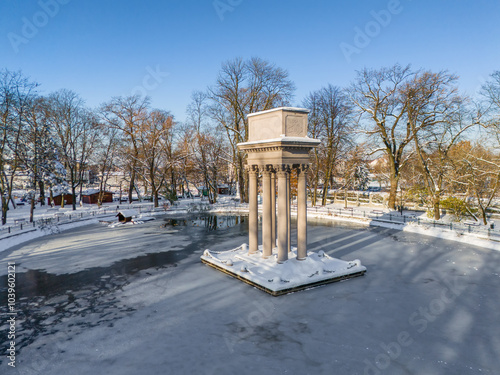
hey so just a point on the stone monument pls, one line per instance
(277, 145)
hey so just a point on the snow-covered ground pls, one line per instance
(137, 300)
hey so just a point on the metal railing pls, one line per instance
(393, 217)
(23, 224)
(397, 218)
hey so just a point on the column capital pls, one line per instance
(303, 168)
(252, 168)
(266, 169)
(282, 168)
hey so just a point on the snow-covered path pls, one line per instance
(138, 300)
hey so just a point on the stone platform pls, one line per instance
(278, 279)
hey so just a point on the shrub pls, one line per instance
(456, 207)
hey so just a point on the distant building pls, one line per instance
(223, 189)
(68, 199)
(91, 196)
(125, 216)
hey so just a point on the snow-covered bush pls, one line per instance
(457, 207)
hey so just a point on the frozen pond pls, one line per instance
(137, 300)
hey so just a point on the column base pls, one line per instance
(282, 278)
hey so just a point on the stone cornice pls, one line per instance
(279, 144)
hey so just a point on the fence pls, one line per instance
(375, 215)
(233, 207)
(397, 218)
(23, 224)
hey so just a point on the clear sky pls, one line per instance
(170, 48)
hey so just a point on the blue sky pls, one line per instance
(170, 48)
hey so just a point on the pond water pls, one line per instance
(210, 222)
(136, 299)
(45, 297)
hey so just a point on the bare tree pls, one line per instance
(477, 172)
(107, 153)
(353, 171)
(491, 91)
(438, 119)
(198, 110)
(244, 87)
(76, 133)
(128, 115)
(315, 131)
(330, 117)
(186, 170)
(382, 114)
(37, 149)
(15, 94)
(154, 139)
(211, 156)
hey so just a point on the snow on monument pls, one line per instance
(277, 145)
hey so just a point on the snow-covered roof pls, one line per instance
(59, 194)
(290, 109)
(127, 213)
(90, 191)
(93, 191)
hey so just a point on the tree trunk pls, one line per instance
(100, 196)
(437, 211)
(325, 192)
(80, 202)
(73, 190)
(131, 185)
(393, 192)
(325, 188)
(5, 208)
(156, 198)
(32, 208)
(242, 180)
(73, 193)
(483, 214)
(315, 189)
(41, 186)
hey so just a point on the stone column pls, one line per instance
(266, 213)
(302, 213)
(283, 212)
(253, 217)
(273, 208)
(289, 209)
